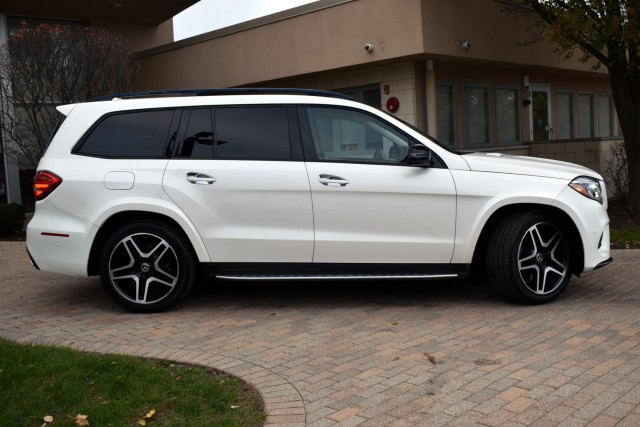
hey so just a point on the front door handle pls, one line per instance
(200, 178)
(332, 180)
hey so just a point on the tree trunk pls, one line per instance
(625, 88)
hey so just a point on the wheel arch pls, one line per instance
(117, 220)
(565, 221)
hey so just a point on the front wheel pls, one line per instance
(146, 267)
(528, 258)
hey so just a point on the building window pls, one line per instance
(585, 111)
(605, 115)
(564, 115)
(475, 101)
(369, 95)
(508, 115)
(445, 112)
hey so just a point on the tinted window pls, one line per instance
(198, 138)
(344, 135)
(134, 134)
(254, 133)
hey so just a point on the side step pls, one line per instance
(333, 271)
(339, 276)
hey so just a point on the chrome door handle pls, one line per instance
(200, 178)
(332, 180)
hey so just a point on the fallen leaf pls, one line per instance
(142, 423)
(394, 323)
(431, 358)
(48, 419)
(234, 406)
(150, 414)
(82, 420)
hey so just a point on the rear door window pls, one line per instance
(252, 133)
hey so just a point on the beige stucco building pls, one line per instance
(462, 70)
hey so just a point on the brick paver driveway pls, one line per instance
(391, 353)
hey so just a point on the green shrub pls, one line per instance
(11, 218)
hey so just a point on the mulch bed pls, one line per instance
(621, 218)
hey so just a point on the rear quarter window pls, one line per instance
(139, 134)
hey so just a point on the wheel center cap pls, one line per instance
(540, 258)
(145, 267)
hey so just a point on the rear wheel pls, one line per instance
(147, 267)
(528, 258)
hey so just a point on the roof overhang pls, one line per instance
(150, 12)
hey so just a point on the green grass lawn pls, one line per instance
(38, 381)
(625, 237)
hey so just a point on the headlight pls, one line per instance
(588, 187)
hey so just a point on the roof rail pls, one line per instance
(224, 91)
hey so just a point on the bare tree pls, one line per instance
(47, 65)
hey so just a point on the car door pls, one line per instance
(369, 206)
(238, 175)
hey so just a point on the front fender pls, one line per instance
(477, 203)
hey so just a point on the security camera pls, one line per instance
(368, 47)
(466, 44)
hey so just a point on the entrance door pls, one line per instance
(540, 114)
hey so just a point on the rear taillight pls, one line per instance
(44, 183)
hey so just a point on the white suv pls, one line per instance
(147, 191)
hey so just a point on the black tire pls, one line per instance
(147, 267)
(528, 258)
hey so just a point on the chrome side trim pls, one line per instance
(341, 277)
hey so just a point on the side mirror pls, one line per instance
(419, 155)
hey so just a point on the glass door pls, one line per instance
(540, 114)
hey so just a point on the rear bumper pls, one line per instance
(59, 242)
(33, 261)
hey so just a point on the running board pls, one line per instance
(326, 271)
(342, 277)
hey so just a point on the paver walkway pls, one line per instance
(391, 353)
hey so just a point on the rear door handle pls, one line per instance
(200, 178)
(332, 180)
